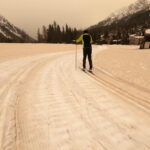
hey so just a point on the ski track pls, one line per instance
(46, 104)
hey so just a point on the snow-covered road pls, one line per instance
(45, 104)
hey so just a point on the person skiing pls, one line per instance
(87, 41)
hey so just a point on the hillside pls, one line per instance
(133, 19)
(11, 33)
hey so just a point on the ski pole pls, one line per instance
(76, 58)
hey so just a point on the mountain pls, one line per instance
(133, 19)
(11, 33)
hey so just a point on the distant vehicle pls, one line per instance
(145, 44)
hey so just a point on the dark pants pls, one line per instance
(87, 52)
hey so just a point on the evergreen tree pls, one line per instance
(44, 34)
(40, 38)
(56, 34)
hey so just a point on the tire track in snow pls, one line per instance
(112, 107)
(59, 108)
(9, 96)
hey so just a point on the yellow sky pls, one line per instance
(31, 14)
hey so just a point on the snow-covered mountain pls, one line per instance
(133, 19)
(128, 11)
(11, 33)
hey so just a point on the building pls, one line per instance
(145, 44)
(135, 40)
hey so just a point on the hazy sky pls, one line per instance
(31, 14)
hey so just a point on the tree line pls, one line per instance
(56, 34)
(135, 19)
(120, 30)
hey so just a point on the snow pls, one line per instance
(3, 21)
(4, 34)
(126, 11)
(147, 31)
(139, 37)
(9, 26)
(136, 36)
(45, 103)
(13, 30)
(129, 64)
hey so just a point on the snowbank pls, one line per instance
(147, 31)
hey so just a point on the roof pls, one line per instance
(136, 36)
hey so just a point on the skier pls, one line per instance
(86, 40)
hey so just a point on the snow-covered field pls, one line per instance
(47, 104)
(130, 66)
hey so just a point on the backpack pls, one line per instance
(87, 41)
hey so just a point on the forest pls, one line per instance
(56, 34)
(116, 29)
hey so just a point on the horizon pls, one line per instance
(78, 14)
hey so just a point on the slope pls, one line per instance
(133, 19)
(11, 33)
